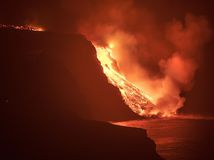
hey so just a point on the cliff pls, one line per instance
(49, 83)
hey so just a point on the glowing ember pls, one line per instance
(27, 27)
(134, 97)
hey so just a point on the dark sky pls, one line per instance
(65, 16)
(65, 13)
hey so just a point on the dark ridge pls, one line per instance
(25, 52)
(48, 81)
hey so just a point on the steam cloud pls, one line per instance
(159, 58)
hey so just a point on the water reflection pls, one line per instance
(180, 139)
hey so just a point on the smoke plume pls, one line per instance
(161, 58)
(158, 55)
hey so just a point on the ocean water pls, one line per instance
(180, 138)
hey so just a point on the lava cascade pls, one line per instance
(138, 101)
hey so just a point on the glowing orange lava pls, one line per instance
(26, 27)
(135, 98)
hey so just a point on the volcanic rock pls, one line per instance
(49, 83)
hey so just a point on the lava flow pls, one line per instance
(25, 27)
(135, 98)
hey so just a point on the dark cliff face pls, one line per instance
(48, 81)
(39, 62)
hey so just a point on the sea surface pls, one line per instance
(180, 138)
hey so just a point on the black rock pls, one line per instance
(49, 83)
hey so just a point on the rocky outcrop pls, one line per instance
(42, 52)
(48, 81)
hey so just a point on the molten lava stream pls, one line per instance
(135, 98)
(26, 27)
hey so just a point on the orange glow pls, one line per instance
(111, 45)
(26, 27)
(134, 97)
